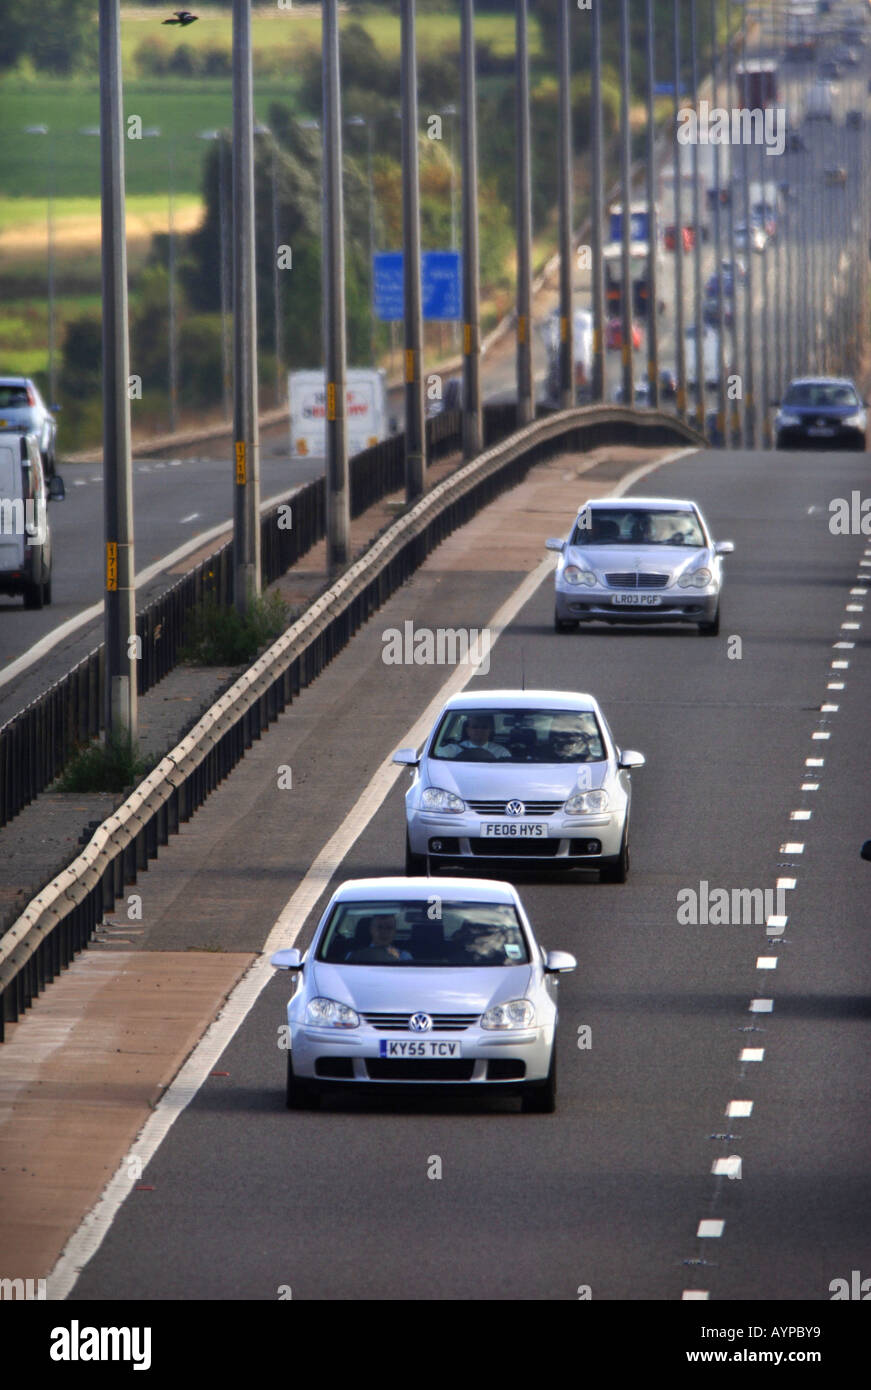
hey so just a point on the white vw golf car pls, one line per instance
(531, 778)
(424, 982)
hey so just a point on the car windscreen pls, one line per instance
(636, 526)
(820, 393)
(432, 931)
(519, 736)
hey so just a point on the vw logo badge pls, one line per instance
(515, 808)
(420, 1023)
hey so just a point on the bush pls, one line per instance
(220, 636)
(105, 767)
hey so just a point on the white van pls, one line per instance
(366, 420)
(25, 535)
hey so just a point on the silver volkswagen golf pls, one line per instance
(424, 982)
(639, 559)
(531, 778)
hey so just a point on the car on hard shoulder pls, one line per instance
(427, 983)
(630, 560)
(528, 778)
(821, 413)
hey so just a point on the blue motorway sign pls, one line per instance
(441, 285)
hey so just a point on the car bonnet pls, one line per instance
(434, 989)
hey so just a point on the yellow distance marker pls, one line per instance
(241, 470)
(111, 566)
(331, 400)
(409, 364)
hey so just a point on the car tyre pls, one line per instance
(539, 1097)
(617, 870)
(299, 1095)
(711, 629)
(416, 865)
(34, 596)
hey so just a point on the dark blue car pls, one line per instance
(821, 413)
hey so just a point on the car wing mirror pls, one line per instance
(865, 851)
(630, 759)
(724, 548)
(290, 959)
(553, 543)
(559, 963)
(56, 490)
(406, 757)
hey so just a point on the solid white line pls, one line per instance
(185, 519)
(86, 1240)
(88, 615)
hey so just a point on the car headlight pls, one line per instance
(695, 579)
(855, 422)
(581, 802)
(329, 1013)
(436, 799)
(572, 574)
(788, 421)
(517, 1013)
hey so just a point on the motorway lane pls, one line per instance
(609, 1191)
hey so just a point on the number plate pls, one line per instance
(418, 1047)
(636, 600)
(514, 830)
(820, 432)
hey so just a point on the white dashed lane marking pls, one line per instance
(710, 1229)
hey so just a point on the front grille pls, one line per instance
(441, 1023)
(533, 808)
(645, 580)
(419, 1069)
(514, 849)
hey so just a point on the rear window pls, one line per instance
(14, 398)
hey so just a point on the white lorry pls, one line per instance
(365, 410)
(710, 355)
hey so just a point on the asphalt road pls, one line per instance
(245, 1197)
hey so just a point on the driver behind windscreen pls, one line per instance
(477, 734)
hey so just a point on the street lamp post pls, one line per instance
(628, 395)
(566, 317)
(415, 434)
(597, 211)
(119, 601)
(652, 223)
(472, 421)
(523, 194)
(246, 431)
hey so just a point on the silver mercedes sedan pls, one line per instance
(423, 982)
(531, 778)
(639, 559)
